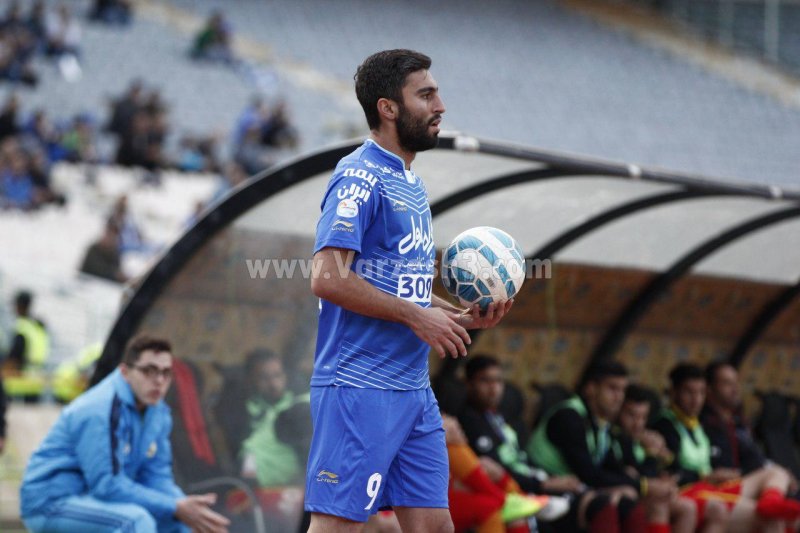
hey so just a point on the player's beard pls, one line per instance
(412, 132)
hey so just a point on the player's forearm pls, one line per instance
(355, 294)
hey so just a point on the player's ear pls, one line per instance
(388, 109)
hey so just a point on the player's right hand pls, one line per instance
(195, 512)
(438, 329)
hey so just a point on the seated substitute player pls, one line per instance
(378, 438)
(755, 502)
(574, 439)
(106, 463)
(496, 441)
(643, 452)
(731, 440)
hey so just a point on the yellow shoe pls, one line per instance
(518, 506)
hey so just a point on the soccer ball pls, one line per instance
(483, 265)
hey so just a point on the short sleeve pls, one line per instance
(349, 207)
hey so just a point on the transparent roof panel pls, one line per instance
(771, 255)
(656, 238)
(534, 213)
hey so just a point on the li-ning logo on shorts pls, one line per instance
(328, 477)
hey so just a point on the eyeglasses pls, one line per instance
(152, 371)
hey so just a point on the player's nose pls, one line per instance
(438, 105)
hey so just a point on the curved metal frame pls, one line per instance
(760, 324)
(630, 316)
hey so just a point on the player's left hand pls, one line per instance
(473, 319)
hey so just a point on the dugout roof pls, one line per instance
(559, 207)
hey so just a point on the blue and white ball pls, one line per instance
(483, 265)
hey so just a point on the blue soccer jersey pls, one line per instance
(379, 210)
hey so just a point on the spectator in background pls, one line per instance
(78, 141)
(30, 347)
(277, 130)
(103, 259)
(213, 42)
(112, 12)
(131, 238)
(36, 22)
(3, 402)
(250, 153)
(252, 115)
(125, 107)
(141, 144)
(17, 190)
(24, 177)
(62, 33)
(17, 46)
(8, 117)
(198, 153)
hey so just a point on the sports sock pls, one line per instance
(773, 505)
(605, 520)
(632, 517)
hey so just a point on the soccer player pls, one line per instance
(378, 437)
(106, 464)
(754, 502)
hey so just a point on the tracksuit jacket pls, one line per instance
(103, 446)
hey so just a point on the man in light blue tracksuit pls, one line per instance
(106, 464)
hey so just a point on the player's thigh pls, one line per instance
(85, 514)
(424, 520)
(420, 473)
(324, 523)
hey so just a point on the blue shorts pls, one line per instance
(375, 448)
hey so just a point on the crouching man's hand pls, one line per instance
(195, 512)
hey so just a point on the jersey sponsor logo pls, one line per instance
(397, 205)
(421, 235)
(355, 193)
(363, 174)
(347, 208)
(341, 225)
(326, 476)
(383, 169)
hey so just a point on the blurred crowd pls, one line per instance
(54, 33)
(135, 132)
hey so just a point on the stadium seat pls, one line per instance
(549, 395)
(775, 432)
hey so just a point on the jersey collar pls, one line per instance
(391, 155)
